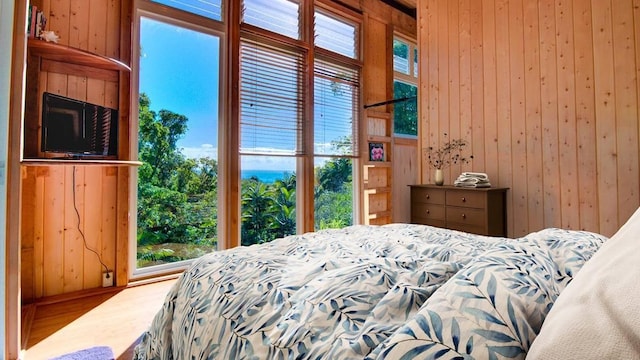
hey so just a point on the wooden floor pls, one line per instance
(115, 319)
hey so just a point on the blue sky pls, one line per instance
(184, 84)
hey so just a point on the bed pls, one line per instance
(397, 291)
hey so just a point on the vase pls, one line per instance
(438, 177)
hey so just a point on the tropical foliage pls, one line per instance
(177, 196)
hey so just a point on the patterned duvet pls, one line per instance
(397, 291)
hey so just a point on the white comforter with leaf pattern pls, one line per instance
(368, 292)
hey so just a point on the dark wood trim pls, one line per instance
(405, 9)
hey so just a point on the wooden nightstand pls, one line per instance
(480, 211)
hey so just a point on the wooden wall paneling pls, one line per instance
(464, 95)
(58, 18)
(122, 186)
(378, 177)
(42, 174)
(92, 218)
(533, 126)
(567, 144)
(112, 180)
(375, 62)
(27, 230)
(73, 242)
(53, 235)
(431, 107)
(554, 103)
(79, 23)
(636, 24)
(549, 110)
(477, 85)
(490, 90)
(605, 115)
(503, 108)
(60, 263)
(518, 223)
(423, 93)
(113, 27)
(405, 172)
(453, 83)
(585, 116)
(396, 19)
(626, 104)
(444, 58)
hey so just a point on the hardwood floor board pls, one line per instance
(111, 319)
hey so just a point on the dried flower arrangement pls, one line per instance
(448, 154)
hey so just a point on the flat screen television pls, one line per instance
(77, 129)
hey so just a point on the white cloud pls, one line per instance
(204, 150)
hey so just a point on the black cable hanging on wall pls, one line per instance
(75, 207)
(391, 101)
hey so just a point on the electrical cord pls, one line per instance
(84, 239)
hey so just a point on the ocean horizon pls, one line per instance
(266, 176)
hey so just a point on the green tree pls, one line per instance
(405, 113)
(257, 205)
(177, 196)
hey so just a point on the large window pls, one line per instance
(272, 96)
(298, 96)
(405, 87)
(279, 118)
(178, 81)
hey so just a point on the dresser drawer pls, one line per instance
(427, 211)
(478, 211)
(428, 196)
(469, 216)
(466, 198)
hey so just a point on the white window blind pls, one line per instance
(207, 8)
(335, 35)
(336, 108)
(271, 99)
(279, 16)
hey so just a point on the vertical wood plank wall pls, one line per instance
(547, 93)
(54, 257)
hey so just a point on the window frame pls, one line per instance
(230, 30)
(305, 162)
(411, 78)
(173, 16)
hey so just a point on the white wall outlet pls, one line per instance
(107, 279)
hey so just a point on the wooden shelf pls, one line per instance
(373, 164)
(377, 138)
(83, 162)
(67, 54)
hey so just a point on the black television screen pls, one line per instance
(77, 128)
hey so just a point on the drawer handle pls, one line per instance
(428, 211)
(464, 199)
(464, 216)
(427, 196)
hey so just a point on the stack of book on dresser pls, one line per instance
(472, 180)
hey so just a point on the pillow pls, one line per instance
(598, 315)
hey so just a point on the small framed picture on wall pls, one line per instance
(376, 152)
